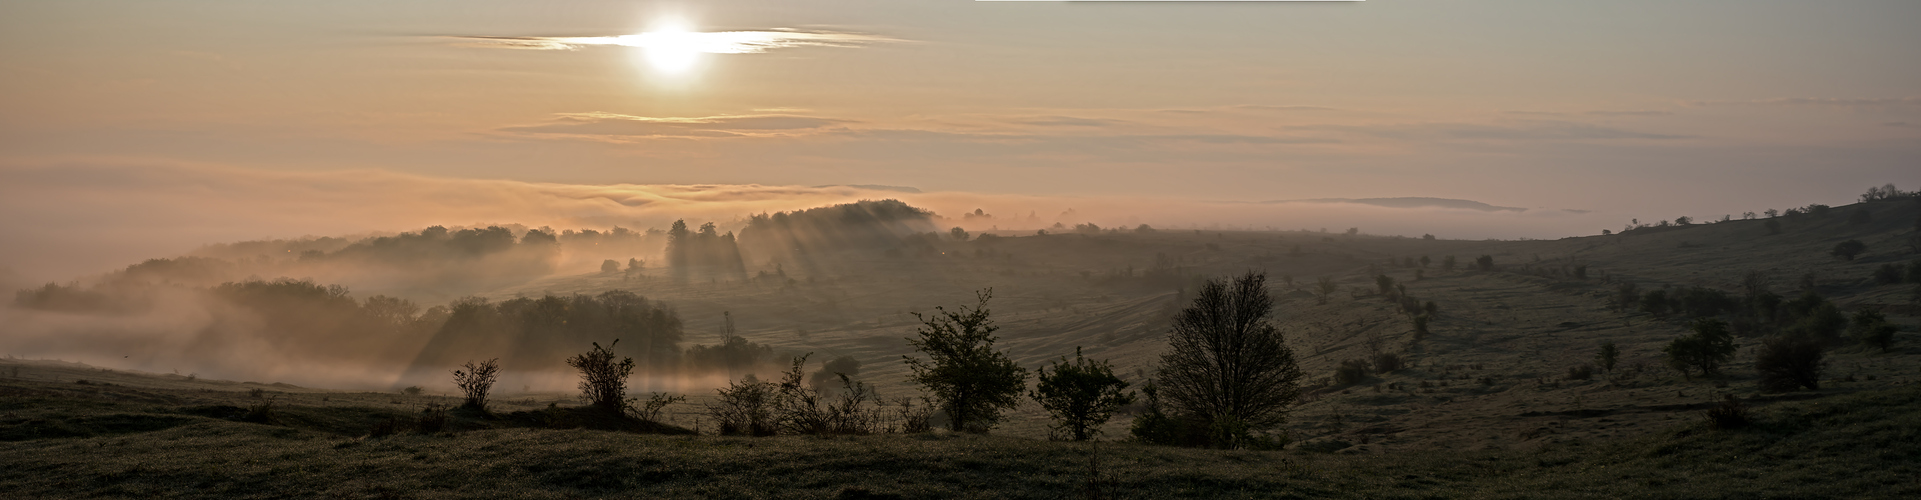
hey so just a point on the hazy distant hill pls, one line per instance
(1410, 202)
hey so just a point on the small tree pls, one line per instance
(603, 382)
(1787, 363)
(1080, 395)
(1484, 262)
(973, 382)
(1227, 365)
(1849, 249)
(958, 234)
(1447, 263)
(1323, 288)
(476, 379)
(1608, 357)
(609, 266)
(1871, 328)
(1706, 349)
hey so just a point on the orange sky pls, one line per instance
(1627, 109)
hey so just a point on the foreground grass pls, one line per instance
(1853, 446)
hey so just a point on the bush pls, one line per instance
(650, 411)
(261, 413)
(1447, 263)
(1080, 396)
(1581, 371)
(476, 380)
(412, 390)
(1655, 302)
(1608, 357)
(1387, 362)
(1158, 425)
(1352, 371)
(1706, 349)
(1729, 414)
(1484, 262)
(973, 382)
(1227, 326)
(1871, 328)
(431, 420)
(1849, 249)
(1787, 363)
(603, 382)
(1420, 326)
(1888, 274)
(745, 407)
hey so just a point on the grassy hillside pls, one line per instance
(126, 435)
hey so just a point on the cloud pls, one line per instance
(1822, 102)
(1901, 125)
(611, 124)
(719, 42)
(1068, 121)
(1525, 130)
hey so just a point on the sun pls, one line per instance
(670, 47)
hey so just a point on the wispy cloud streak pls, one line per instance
(719, 42)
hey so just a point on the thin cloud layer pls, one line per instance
(719, 42)
(612, 124)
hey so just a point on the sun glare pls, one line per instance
(670, 48)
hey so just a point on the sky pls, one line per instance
(133, 129)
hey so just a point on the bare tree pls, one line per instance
(476, 380)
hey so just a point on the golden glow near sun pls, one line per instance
(670, 48)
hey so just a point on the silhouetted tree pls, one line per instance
(1323, 288)
(609, 266)
(1788, 362)
(1871, 328)
(973, 382)
(1227, 365)
(1849, 249)
(475, 380)
(603, 381)
(1706, 349)
(1608, 357)
(1080, 395)
(957, 233)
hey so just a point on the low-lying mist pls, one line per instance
(73, 219)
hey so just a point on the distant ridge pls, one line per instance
(874, 187)
(1410, 202)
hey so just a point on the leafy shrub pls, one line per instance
(603, 382)
(1871, 328)
(1350, 372)
(1788, 362)
(745, 407)
(431, 420)
(1387, 362)
(1729, 414)
(261, 413)
(1888, 274)
(650, 411)
(1849, 249)
(1080, 395)
(1608, 356)
(475, 380)
(1706, 349)
(973, 382)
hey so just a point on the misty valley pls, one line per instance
(880, 350)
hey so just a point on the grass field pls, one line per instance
(133, 435)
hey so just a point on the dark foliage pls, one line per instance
(1870, 327)
(1227, 365)
(1352, 371)
(475, 379)
(1729, 414)
(973, 382)
(1787, 363)
(746, 407)
(1849, 249)
(1706, 349)
(1080, 395)
(603, 381)
(1484, 263)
